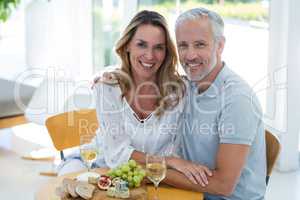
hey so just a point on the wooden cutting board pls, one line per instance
(135, 194)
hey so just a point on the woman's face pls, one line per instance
(147, 51)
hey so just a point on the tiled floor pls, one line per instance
(19, 179)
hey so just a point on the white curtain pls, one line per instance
(59, 34)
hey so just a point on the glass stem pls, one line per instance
(156, 191)
(89, 166)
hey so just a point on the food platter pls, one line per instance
(122, 182)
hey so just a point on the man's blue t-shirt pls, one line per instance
(228, 112)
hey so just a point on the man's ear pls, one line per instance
(221, 44)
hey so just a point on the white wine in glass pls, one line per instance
(156, 170)
(88, 150)
(88, 156)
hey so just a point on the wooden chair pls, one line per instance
(272, 150)
(65, 129)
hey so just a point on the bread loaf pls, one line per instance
(85, 190)
(71, 188)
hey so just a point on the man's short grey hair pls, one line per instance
(215, 19)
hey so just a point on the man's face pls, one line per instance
(198, 52)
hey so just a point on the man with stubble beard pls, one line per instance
(222, 124)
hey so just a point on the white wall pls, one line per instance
(283, 110)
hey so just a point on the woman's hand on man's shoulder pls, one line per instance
(106, 78)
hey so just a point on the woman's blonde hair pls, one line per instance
(169, 81)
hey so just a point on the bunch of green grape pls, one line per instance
(130, 172)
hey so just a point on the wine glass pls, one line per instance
(88, 150)
(156, 170)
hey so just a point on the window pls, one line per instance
(107, 21)
(12, 45)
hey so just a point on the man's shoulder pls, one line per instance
(233, 84)
(236, 90)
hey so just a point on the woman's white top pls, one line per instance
(121, 131)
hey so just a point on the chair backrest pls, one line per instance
(65, 129)
(272, 149)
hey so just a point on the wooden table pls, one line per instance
(47, 191)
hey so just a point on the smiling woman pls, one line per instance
(149, 87)
(148, 55)
(139, 105)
